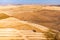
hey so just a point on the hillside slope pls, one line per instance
(14, 29)
(45, 15)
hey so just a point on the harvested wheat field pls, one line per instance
(48, 16)
(29, 22)
(14, 29)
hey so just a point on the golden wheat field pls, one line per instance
(48, 16)
(29, 22)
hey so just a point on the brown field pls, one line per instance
(48, 16)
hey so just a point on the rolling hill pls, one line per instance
(23, 22)
(48, 16)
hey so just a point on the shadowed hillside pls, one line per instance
(49, 18)
(3, 16)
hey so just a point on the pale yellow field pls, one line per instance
(29, 22)
(48, 16)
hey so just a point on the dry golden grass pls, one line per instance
(48, 16)
(43, 15)
(10, 26)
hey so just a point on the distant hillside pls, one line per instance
(48, 16)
